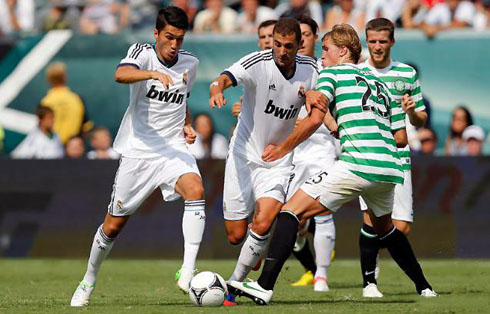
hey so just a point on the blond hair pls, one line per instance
(56, 73)
(344, 35)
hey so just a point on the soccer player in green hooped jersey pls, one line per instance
(402, 81)
(368, 166)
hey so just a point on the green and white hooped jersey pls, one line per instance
(364, 110)
(401, 79)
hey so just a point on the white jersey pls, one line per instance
(154, 120)
(271, 103)
(320, 145)
(38, 145)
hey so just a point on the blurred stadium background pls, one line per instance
(51, 208)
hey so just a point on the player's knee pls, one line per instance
(405, 228)
(112, 229)
(235, 238)
(195, 192)
(261, 227)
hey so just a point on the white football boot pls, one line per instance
(82, 294)
(251, 290)
(371, 291)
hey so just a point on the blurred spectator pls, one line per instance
(414, 13)
(428, 141)
(216, 18)
(482, 16)
(473, 137)
(42, 142)
(448, 15)
(264, 32)
(345, 11)
(390, 9)
(294, 8)
(253, 15)
(67, 106)
(461, 119)
(208, 144)
(16, 15)
(59, 15)
(75, 148)
(104, 16)
(101, 142)
(143, 13)
(189, 7)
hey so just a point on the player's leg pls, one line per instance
(324, 241)
(132, 185)
(190, 187)
(303, 254)
(369, 249)
(255, 245)
(380, 202)
(402, 215)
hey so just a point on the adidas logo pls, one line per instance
(272, 87)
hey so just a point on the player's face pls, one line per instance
(47, 121)
(285, 49)
(265, 37)
(379, 45)
(168, 42)
(330, 53)
(309, 41)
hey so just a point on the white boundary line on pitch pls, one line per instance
(23, 73)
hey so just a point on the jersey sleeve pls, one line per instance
(192, 77)
(416, 93)
(327, 83)
(397, 114)
(246, 71)
(137, 56)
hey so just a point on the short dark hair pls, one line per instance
(305, 19)
(287, 26)
(381, 24)
(266, 23)
(173, 16)
(42, 111)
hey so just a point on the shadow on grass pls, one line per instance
(343, 301)
(387, 294)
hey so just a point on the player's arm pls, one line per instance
(331, 124)
(128, 74)
(216, 89)
(303, 130)
(189, 132)
(417, 118)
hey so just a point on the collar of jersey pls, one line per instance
(286, 77)
(165, 64)
(383, 70)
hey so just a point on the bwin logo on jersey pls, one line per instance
(281, 113)
(166, 96)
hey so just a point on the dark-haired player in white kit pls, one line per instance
(151, 141)
(276, 84)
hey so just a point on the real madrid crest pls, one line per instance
(184, 78)
(301, 92)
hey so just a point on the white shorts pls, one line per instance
(403, 205)
(246, 182)
(340, 186)
(136, 179)
(304, 169)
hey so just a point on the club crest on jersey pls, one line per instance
(399, 86)
(184, 78)
(281, 113)
(301, 92)
(166, 96)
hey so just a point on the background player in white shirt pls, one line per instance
(318, 152)
(402, 81)
(276, 83)
(152, 141)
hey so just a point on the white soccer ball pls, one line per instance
(207, 289)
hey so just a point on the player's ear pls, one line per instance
(155, 33)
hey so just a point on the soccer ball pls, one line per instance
(207, 289)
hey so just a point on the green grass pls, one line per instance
(147, 286)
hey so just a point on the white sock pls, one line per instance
(101, 247)
(193, 222)
(252, 250)
(324, 243)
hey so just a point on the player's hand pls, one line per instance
(165, 79)
(190, 134)
(408, 104)
(216, 97)
(316, 99)
(236, 109)
(272, 153)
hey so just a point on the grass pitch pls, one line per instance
(147, 286)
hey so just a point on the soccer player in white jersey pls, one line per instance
(151, 141)
(368, 165)
(402, 81)
(318, 152)
(276, 83)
